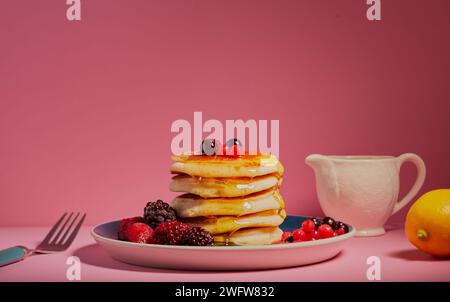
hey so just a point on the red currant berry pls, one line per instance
(310, 236)
(236, 151)
(299, 235)
(285, 236)
(315, 235)
(233, 142)
(303, 236)
(340, 224)
(308, 226)
(232, 147)
(339, 231)
(325, 231)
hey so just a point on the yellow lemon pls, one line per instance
(428, 223)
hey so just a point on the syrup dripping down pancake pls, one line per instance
(227, 166)
(189, 205)
(223, 187)
(230, 224)
(252, 236)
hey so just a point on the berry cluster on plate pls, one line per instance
(233, 147)
(315, 229)
(159, 225)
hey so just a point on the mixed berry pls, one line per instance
(210, 147)
(315, 229)
(159, 225)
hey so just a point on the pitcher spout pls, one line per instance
(315, 160)
(326, 176)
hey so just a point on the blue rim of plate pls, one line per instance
(104, 232)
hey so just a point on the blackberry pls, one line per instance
(198, 237)
(157, 212)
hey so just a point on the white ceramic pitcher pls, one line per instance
(363, 190)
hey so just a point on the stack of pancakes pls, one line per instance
(237, 199)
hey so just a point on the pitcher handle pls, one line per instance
(421, 172)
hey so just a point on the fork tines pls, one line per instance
(63, 233)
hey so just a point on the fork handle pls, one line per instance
(12, 255)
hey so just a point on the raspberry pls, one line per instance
(198, 237)
(138, 232)
(170, 233)
(157, 212)
(123, 225)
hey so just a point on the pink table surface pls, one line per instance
(400, 261)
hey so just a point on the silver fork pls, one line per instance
(58, 239)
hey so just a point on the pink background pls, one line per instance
(86, 107)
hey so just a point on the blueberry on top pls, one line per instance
(234, 142)
(209, 147)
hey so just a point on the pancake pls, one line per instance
(189, 205)
(254, 236)
(223, 187)
(226, 166)
(230, 224)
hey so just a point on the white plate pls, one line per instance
(220, 257)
